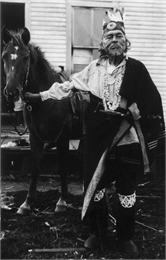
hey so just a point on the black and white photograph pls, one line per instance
(83, 109)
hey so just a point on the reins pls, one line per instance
(24, 88)
(15, 127)
(22, 97)
(29, 108)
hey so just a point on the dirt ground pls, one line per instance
(30, 237)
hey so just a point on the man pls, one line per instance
(124, 105)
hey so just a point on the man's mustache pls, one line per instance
(115, 46)
(111, 45)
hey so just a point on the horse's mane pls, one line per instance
(47, 73)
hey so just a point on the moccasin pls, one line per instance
(92, 242)
(130, 248)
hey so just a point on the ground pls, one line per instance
(21, 236)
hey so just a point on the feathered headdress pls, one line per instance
(114, 20)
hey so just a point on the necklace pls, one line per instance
(111, 87)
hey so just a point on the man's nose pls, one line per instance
(114, 39)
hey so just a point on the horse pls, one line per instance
(27, 70)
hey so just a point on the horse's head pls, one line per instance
(16, 59)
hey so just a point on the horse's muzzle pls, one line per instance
(11, 97)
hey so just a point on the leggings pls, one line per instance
(123, 164)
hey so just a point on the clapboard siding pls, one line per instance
(48, 29)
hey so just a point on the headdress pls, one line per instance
(114, 20)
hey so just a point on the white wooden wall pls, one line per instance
(48, 28)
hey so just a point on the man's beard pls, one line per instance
(115, 55)
(116, 51)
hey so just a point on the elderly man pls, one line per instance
(124, 105)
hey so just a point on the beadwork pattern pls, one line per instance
(111, 102)
(99, 195)
(127, 201)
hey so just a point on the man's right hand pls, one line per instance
(31, 97)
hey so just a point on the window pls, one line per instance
(86, 32)
(86, 36)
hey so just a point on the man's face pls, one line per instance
(114, 43)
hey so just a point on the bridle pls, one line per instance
(23, 91)
(22, 94)
(25, 84)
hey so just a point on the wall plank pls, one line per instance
(48, 29)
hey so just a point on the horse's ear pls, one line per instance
(25, 35)
(5, 35)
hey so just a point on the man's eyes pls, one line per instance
(112, 36)
(119, 35)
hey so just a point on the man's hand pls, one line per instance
(30, 97)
